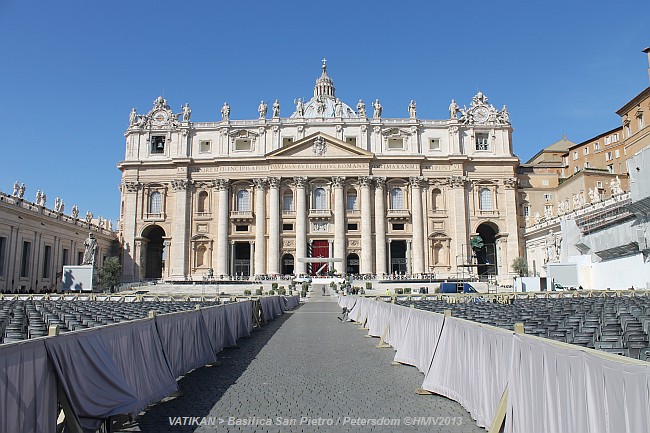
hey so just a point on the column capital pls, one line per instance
(416, 181)
(180, 184)
(380, 181)
(337, 181)
(274, 182)
(130, 186)
(365, 181)
(300, 181)
(222, 184)
(260, 182)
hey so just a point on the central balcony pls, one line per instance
(241, 216)
(320, 214)
(398, 214)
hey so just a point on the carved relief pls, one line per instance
(320, 227)
(300, 181)
(131, 186)
(416, 181)
(510, 183)
(337, 181)
(458, 181)
(274, 182)
(222, 184)
(365, 181)
(380, 182)
(179, 184)
(320, 146)
(260, 182)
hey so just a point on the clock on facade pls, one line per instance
(160, 117)
(481, 114)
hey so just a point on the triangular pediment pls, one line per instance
(321, 146)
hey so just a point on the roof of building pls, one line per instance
(562, 145)
(634, 101)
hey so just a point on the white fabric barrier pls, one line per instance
(399, 318)
(471, 366)
(359, 311)
(380, 318)
(420, 339)
(558, 389)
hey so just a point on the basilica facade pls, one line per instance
(270, 196)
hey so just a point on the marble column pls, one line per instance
(390, 257)
(260, 226)
(223, 188)
(380, 227)
(409, 258)
(301, 224)
(417, 249)
(252, 265)
(366, 225)
(273, 264)
(339, 222)
(231, 269)
(178, 253)
(128, 218)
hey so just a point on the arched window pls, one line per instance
(320, 199)
(243, 201)
(155, 202)
(396, 198)
(200, 256)
(203, 198)
(287, 201)
(485, 199)
(352, 200)
(436, 199)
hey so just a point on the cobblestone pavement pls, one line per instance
(311, 371)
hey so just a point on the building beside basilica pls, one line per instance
(256, 197)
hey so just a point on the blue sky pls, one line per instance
(72, 70)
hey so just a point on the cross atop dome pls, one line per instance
(324, 84)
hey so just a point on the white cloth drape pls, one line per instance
(557, 389)
(471, 366)
(397, 325)
(381, 316)
(420, 339)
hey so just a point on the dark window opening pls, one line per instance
(241, 228)
(158, 144)
(353, 226)
(398, 226)
(287, 227)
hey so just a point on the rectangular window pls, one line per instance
(482, 141)
(398, 226)
(608, 140)
(575, 155)
(80, 257)
(526, 211)
(395, 143)
(351, 140)
(548, 197)
(25, 262)
(353, 227)
(241, 228)
(287, 202)
(610, 168)
(47, 257)
(434, 144)
(204, 146)
(287, 227)
(617, 153)
(608, 156)
(3, 246)
(586, 151)
(242, 144)
(614, 137)
(599, 184)
(596, 146)
(545, 182)
(158, 144)
(287, 141)
(639, 119)
(352, 202)
(548, 209)
(65, 256)
(575, 169)
(587, 164)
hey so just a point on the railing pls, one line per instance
(320, 213)
(289, 213)
(398, 213)
(241, 214)
(353, 212)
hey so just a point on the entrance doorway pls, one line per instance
(352, 264)
(242, 259)
(398, 257)
(155, 251)
(486, 257)
(320, 249)
(287, 264)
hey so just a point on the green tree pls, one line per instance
(109, 275)
(520, 266)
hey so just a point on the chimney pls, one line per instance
(647, 51)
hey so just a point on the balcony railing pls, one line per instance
(159, 216)
(288, 213)
(398, 213)
(353, 212)
(320, 213)
(241, 215)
